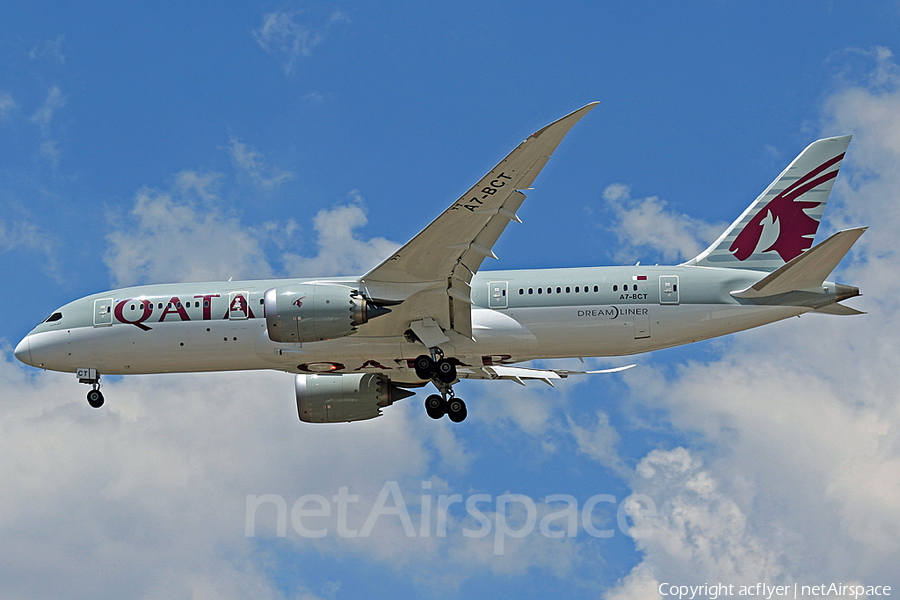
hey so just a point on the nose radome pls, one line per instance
(23, 352)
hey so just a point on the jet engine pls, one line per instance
(344, 398)
(310, 312)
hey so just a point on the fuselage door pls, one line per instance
(497, 294)
(641, 326)
(668, 289)
(103, 312)
(238, 306)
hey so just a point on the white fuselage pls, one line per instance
(516, 316)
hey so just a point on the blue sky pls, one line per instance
(165, 142)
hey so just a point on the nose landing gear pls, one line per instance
(442, 372)
(95, 398)
(91, 377)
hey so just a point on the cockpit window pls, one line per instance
(53, 318)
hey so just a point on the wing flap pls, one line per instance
(481, 247)
(520, 374)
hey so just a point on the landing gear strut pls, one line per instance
(91, 377)
(442, 373)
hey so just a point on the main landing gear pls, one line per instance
(91, 377)
(442, 369)
(453, 407)
(442, 372)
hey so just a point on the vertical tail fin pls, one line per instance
(781, 224)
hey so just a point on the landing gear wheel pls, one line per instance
(434, 406)
(95, 398)
(445, 371)
(456, 410)
(424, 366)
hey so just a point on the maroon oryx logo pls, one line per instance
(795, 228)
(298, 302)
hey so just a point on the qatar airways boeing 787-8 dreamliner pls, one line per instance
(428, 314)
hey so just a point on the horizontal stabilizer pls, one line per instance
(807, 271)
(839, 309)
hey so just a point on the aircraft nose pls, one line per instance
(23, 352)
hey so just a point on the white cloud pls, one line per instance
(284, 37)
(25, 235)
(598, 441)
(648, 223)
(43, 116)
(798, 421)
(54, 101)
(699, 534)
(49, 50)
(528, 409)
(50, 150)
(314, 97)
(340, 251)
(182, 235)
(153, 486)
(251, 162)
(189, 233)
(22, 234)
(7, 105)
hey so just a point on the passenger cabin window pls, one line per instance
(615, 288)
(596, 288)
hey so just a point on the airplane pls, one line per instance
(427, 314)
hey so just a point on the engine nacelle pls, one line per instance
(344, 398)
(310, 312)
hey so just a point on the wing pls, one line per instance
(428, 278)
